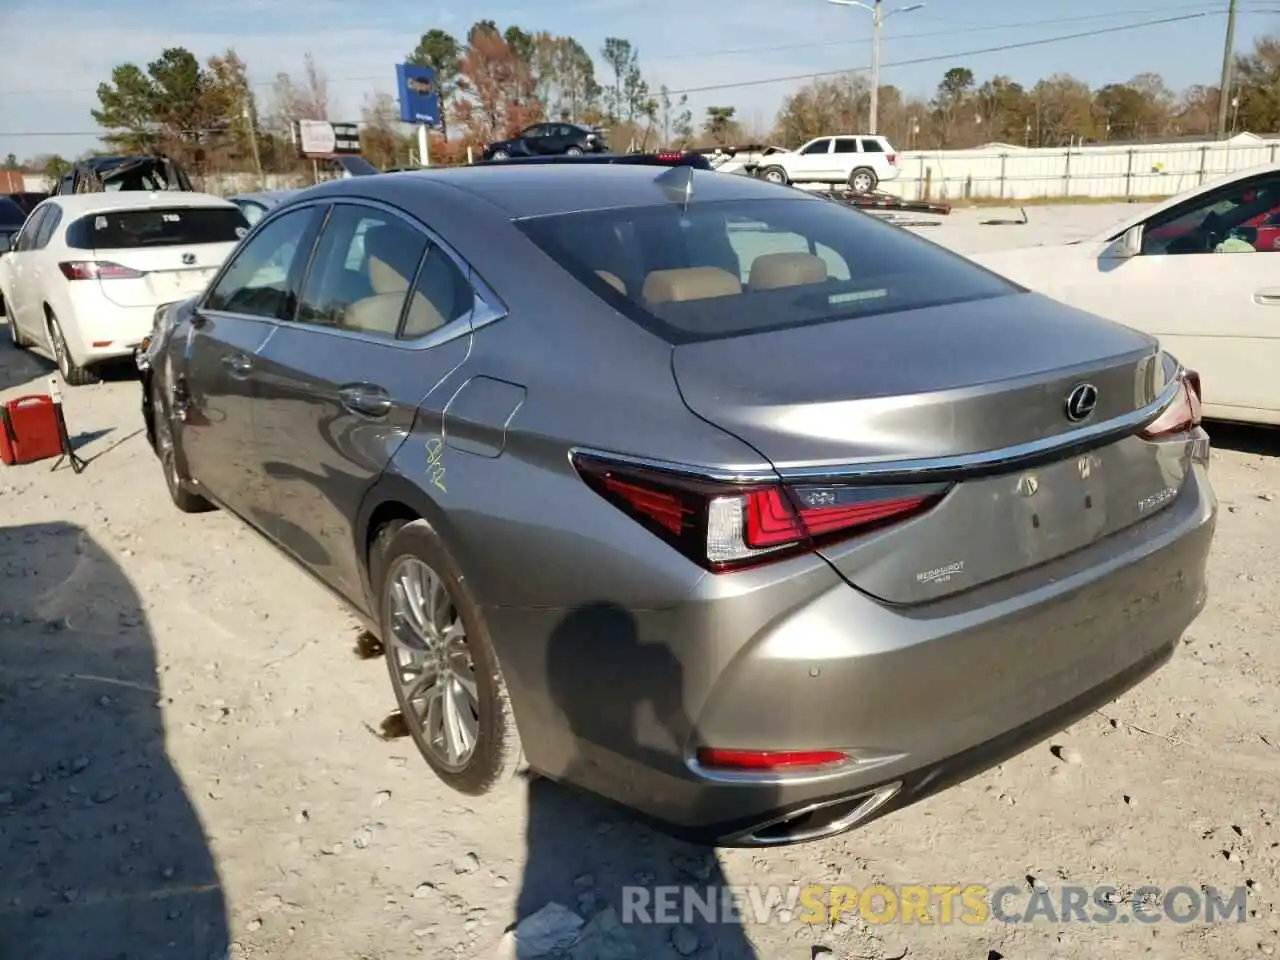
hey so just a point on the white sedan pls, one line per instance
(1171, 272)
(86, 273)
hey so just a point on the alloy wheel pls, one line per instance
(862, 183)
(59, 345)
(432, 665)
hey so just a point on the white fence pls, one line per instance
(1012, 173)
(1148, 170)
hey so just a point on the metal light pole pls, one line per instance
(878, 18)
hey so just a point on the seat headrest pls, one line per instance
(773, 270)
(690, 283)
(612, 280)
(391, 261)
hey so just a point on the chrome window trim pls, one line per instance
(487, 308)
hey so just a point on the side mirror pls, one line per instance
(1129, 245)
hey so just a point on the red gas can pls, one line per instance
(29, 430)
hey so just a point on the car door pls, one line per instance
(813, 162)
(383, 318)
(218, 389)
(535, 140)
(21, 301)
(1216, 310)
(844, 157)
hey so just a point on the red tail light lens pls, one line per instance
(96, 270)
(1183, 413)
(726, 526)
(893, 159)
(764, 760)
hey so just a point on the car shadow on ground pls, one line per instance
(19, 366)
(594, 859)
(101, 852)
(1244, 438)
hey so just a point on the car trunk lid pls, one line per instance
(153, 277)
(968, 401)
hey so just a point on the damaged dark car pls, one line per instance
(153, 172)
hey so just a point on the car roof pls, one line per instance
(269, 197)
(82, 203)
(546, 189)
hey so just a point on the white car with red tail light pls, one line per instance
(84, 277)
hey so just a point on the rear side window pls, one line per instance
(52, 217)
(846, 145)
(158, 227)
(725, 269)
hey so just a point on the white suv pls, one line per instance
(861, 162)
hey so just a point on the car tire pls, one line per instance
(863, 180)
(573, 152)
(500, 155)
(775, 174)
(408, 559)
(167, 450)
(73, 375)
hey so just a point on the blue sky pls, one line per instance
(56, 51)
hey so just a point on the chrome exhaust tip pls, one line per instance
(817, 821)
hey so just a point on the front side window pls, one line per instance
(365, 263)
(818, 146)
(1221, 221)
(724, 269)
(261, 279)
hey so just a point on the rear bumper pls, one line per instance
(922, 696)
(104, 331)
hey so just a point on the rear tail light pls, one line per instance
(1183, 413)
(893, 159)
(728, 526)
(758, 761)
(96, 270)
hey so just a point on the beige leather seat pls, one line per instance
(390, 264)
(690, 283)
(774, 270)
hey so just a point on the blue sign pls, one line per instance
(419, 97)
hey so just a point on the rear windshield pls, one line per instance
(723, 269)
(159, 227)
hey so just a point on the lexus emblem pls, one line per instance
(188, 258)
(1081, 402)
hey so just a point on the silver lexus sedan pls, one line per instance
(726, 502)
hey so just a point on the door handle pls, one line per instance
(1267, 297)
(239, 365)
(366, 400)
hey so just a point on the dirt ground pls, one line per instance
(193, 762)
